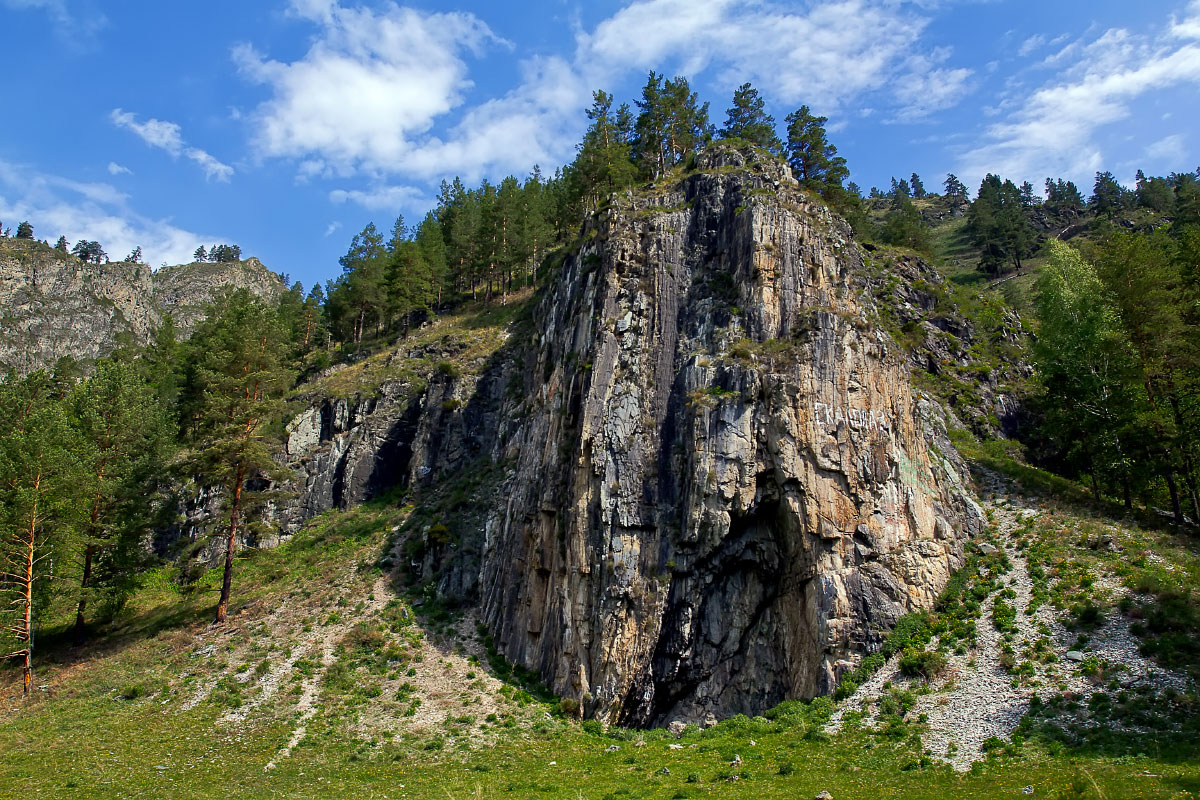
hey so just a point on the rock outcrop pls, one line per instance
(718, 489)
(981, 371)
(56, 305)
(723, 492)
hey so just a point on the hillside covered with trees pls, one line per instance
(98, 459)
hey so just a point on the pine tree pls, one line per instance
(1187, 200)
(997, 224)
(315, 333)
(24, 230)
(225, 253)
(814, 161)
(671, 124)
(1063, 198)
(363, 279)
(748, 120)
(537, 231)
(1155, 194)
(122, 425)
(89, 251)
(201, 254)
(904, 227)
(955, 190)
(40, 508)
(604, 162)
(135, 257)
(61, 245)
(918, 188)
(431, 243)
(239, 359)
(161, 364)
(900, 191)
(1108, 196)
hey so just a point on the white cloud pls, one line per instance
(1032, 43)
(169, 137)
(825, 55)
(116, 169)
(1038, 41)
(1168, 149)
(1053, 130)
(59, 206)
(1189, 26)
(57, 9)
(370, 83)
(925, 88)
(333, 227)
(381, 198)
(76, 29)
(383, 92)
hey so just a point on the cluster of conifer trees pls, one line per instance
(91, 467)
(490, 240)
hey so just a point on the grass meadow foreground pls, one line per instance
(335, 680)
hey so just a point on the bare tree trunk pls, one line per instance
(1190, 483)
(227, 579)
(88, 554)
(1189, 470)
(27, 632)
(1176, 508)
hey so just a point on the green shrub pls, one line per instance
(926, 664)
(447, 369)
(132, 692)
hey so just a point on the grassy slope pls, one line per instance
(114, 713)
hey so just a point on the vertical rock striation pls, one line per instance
(721, 491)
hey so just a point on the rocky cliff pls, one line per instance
(55, 305)
(717, 488)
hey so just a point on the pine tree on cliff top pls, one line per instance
(748, 120)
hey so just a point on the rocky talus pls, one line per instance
(56, 305)
(976, 699)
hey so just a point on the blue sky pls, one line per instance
(286, 125)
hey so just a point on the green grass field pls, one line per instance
(111, 720)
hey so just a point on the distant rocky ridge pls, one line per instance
(54, 305)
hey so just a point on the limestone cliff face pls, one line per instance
(719, 490)
(722, 491)
(55, 305)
